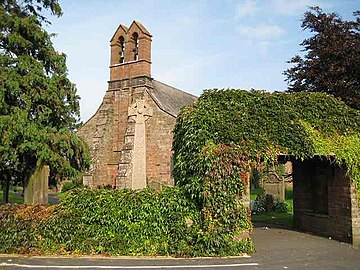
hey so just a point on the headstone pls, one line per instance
(274, 185)
(36, 189)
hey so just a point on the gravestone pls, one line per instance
(274, 185)
(36, 189)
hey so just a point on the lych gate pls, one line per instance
(325, 199)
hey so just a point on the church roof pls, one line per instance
(170, 99)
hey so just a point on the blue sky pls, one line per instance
(196, 44)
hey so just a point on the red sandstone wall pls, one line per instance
(355, 216)
(159, 135)
(130, 70)
(104, 133)
(337, 222)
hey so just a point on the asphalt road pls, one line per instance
(276, 249)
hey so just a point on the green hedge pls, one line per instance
(114, 222)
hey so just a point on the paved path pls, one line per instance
(286, 249)
(276, 249)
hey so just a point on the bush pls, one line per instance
(20, 226)
(115, 222)
(266, 203)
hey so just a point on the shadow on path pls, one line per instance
(278, 246)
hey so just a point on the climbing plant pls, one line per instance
(257, 126)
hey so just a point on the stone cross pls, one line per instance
(139, 111)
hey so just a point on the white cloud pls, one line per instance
(261, 32)
(291, 7)
(245, 9)
(282, 7)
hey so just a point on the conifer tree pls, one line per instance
(39, 107)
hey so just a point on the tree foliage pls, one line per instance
(39, 107)
(332, 57)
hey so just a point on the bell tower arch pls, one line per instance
(130, 52)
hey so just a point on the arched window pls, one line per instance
(122, 49)
(135, 37)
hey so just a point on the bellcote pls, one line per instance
(130, 52)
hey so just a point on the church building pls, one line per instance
(131, 133)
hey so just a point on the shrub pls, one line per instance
(20, 226)
(118, 222)
(266, 203)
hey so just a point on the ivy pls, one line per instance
(264, 124)
(226, 132)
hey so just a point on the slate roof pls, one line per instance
(170, 99)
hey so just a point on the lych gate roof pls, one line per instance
(170, 99)
(262, 125)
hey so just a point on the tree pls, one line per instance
(39, 107)
(332, 60)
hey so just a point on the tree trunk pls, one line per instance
(6, 189)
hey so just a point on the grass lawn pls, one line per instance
(254, 192)
(284, 219)
(15, 197)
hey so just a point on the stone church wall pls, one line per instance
(159, 136)
(98, 132)
(107, 134)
